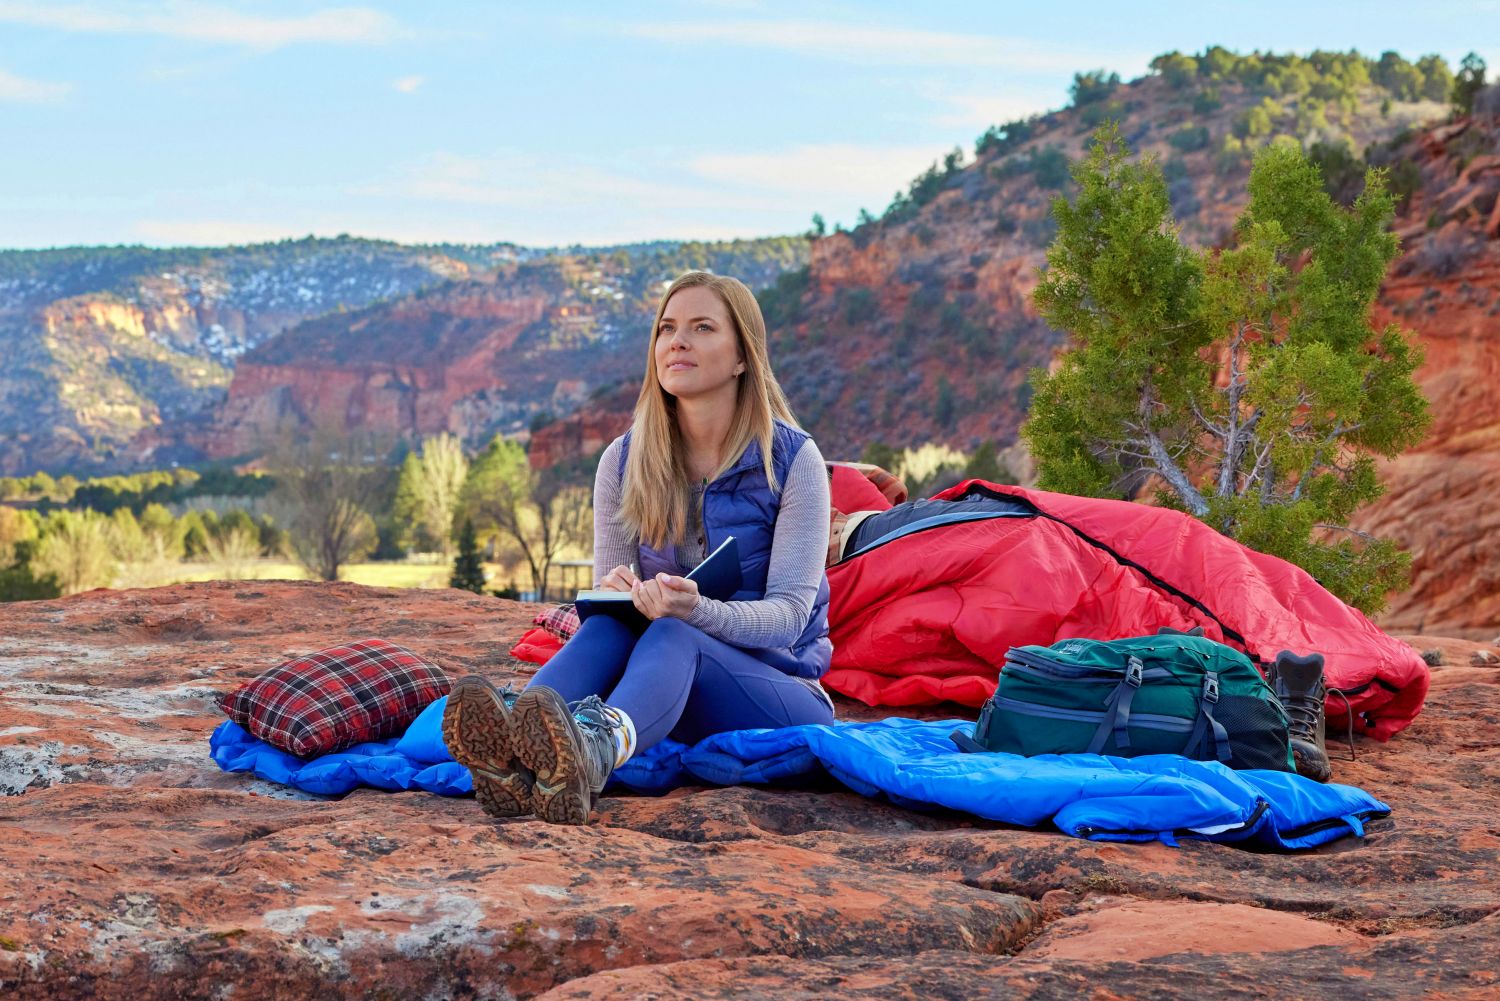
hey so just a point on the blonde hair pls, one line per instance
(658, 493)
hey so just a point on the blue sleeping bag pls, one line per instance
(908, 762)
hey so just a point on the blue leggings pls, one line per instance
(676, 680)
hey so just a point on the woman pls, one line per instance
(713, 451)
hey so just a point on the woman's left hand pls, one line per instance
(665, 596)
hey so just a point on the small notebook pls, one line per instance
(718, 577)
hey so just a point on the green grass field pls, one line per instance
(372, 574)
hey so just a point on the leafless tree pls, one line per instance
(327, 482)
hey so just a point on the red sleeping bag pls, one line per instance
(929, 616)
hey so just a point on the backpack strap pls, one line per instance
(1117, 709)
(1207, 723)
(966, 743)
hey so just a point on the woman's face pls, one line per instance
(697, 351)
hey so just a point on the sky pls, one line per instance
(547, 124)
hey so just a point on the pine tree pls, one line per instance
(468, 571)
(1467, 83)
(1248, 382)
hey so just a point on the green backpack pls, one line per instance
(1172, 693)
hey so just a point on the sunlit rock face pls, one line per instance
(113, 354)
(1440, 497)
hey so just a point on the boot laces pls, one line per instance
(592, 713)
(1349, 709)
(1303, 710)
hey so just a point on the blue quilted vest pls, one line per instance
(740, 503)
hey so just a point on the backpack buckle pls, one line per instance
(1210, 687)
(1134, 672)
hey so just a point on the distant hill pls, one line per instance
(121, 357)
(918, 326)
(102, 343)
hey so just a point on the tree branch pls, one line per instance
(1347, 530)
(1162, 459)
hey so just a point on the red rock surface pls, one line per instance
(422, 366)
(585, 433)
(135, 868)
(1441, 497)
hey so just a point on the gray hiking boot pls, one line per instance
(571, 749)
(479, 729)
(1298, 683)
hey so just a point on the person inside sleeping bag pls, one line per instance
(1296, 681)
(713, 451)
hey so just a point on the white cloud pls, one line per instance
(200, 22)
(20, 90)
(213, 232)
(983, 110)
(409, 84)
(816, 171)
(802, 175)
(552, 200)
(885, 46)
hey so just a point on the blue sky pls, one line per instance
(183, 122)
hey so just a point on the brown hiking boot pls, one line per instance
(479, 729)
(1298, 684)
(570, 748)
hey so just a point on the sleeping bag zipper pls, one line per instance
(1261, 806)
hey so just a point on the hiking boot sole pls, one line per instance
(550, 743)
(478, 730)
(1311, 761)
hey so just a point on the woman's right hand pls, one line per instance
(619, 579)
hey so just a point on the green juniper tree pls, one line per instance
(468, 571)
(1248, 381)
(1467, 83)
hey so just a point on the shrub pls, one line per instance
(1176, 69)
(985, 464)
(878, 453)
(1189, 138)
(1050, 167)
(1257, 121)
(1437, 77)
(998, 140)
(1096, 114)
(1343, 172)
(232, 551)
(1184, 197)
(945, 407)
(858, 305)
(1467, 83)
(1233, 154)
(1093, 86)
(75, 551)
